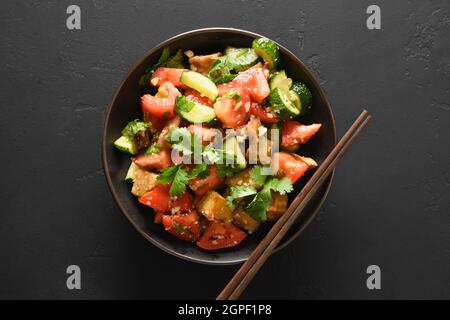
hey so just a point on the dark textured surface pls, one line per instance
(389, 204)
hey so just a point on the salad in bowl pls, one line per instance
(217, 149)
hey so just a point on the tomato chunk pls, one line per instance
(184, 225)
(168, 90)
(295, 133)
(264, 115)
(254, 83)
(157, 198)
(160, 200)
(162, 108)
(290, 164)
(182, 203)
(160, 160)
(211, 182)
(167, 74)
(231, 113)
(225, 88)
(220, 235)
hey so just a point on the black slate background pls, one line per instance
(389, 204)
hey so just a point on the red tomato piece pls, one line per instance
(211, 182)
(184, 225)
(220, 235)
(295, 133)
(162, 108)
(159, 161)
(224, 88)
(182, 203)
(290, 164)
(232, 114)
(157, 198)
(254, 83)
(196, 96)
(160, 200)
(167, 74)
(264, 115)
(168, 90)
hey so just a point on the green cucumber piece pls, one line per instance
(305, 95)
(268, 50)
(295, 98)
(232, 148)
(281, 103)
(125, 144)
(192, 111)
(241, 58)
(131, 172)
(280, 80)
(199, 82)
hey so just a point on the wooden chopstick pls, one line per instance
(261, 253)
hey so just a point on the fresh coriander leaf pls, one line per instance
(282, 186)
(221, 70)
(163, 58)
(134, 127)
(242, 191)
(226, 171)
(259, 205)
(255, 174)
(179, 182)
(167, 175)
(261, 202)
(183, 104)
(153, 149)
(239, 192)
(200, 171)
(176, 61)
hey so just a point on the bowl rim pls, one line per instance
(104, 145)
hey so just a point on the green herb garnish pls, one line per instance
(262, 200)
(134, 127)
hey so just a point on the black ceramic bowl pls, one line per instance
(125, 106)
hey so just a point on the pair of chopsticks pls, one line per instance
(248, 270)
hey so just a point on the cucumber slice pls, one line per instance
(200, 83)
(305, 95)
(131, 172)
(295, 98)
(268, 50)
(232, 148)
(281, 103)
(125, 144)
(192, 111)
(280, 80)
(241, 58)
